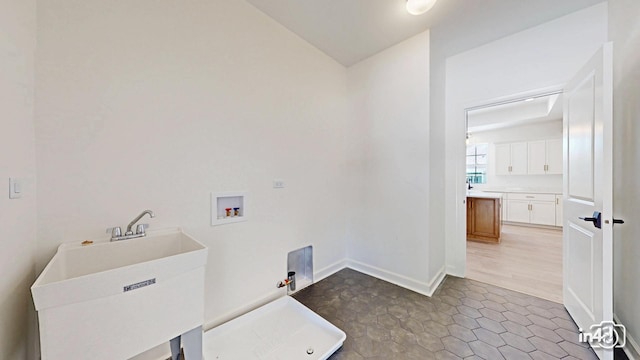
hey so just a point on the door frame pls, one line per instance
(459, 250)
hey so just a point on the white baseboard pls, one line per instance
(437, 280)
(550, 227)
(632, 349)
(397, 279)
(403, 281)
(453, 271)
(400, 280)
(329, 270)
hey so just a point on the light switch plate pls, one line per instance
(15, 188)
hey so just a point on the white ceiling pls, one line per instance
(352, 30)
(347, 30)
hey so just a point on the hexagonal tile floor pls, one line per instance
(465, 319)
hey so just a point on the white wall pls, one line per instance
(17, 159)
(389, 98)
(625, 33)
(529, 132)
(155, 104)
(542, 57)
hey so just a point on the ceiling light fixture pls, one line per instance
(417, 7)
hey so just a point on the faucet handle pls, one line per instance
(115, 231)
(140, 229)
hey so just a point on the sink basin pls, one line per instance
(114, 300)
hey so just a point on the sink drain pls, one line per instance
(310, 351)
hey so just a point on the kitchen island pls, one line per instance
(484, 223)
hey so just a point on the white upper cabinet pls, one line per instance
(503, 159)
(542, 157)
(554, 156)
(537, 157)
(545, 157)
(511, 159)
(519, 158)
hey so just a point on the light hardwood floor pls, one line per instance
(527, 260)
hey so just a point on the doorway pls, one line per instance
(514, 155)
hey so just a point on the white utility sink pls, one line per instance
(114, 300)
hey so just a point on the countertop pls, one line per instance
(519, 190)
(483, 195)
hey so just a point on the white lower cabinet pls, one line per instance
(518, 211)
(539, 209)
(559, 210)
(543, 212)
(505, 207)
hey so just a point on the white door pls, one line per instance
(587, 250)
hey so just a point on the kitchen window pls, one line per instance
(477, 163)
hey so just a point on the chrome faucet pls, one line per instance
(134, 221)
(116, 232)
